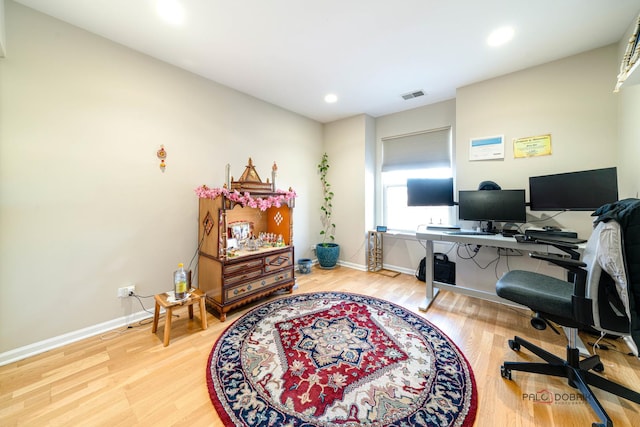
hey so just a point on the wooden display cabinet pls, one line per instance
(233, 276)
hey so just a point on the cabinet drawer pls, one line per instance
(245, 289)
(240, 267)
(241, 276)
(278, 261)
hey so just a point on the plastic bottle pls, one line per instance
(180, 282)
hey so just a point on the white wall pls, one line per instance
(84, 206)
(629, 145)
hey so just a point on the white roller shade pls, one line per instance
(430, 149)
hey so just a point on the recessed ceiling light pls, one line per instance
(330, 98)
(500, 36)
(171, 11)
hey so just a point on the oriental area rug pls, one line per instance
(338, 359)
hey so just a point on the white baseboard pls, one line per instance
(71, 337)
(352, 265)
(68, 338)
(385, 266)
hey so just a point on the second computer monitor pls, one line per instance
(430, 192)
(492, 205)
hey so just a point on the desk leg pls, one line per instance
(431, 292)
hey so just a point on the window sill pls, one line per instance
(401, 235)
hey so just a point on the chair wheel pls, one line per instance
(506, 373)
(514, 345)
(599, 367)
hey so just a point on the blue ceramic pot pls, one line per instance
(327, 254)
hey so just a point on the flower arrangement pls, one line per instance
(245, 199)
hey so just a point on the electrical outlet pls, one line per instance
(126, 291)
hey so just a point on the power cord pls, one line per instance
(195, 270)
(607, 347)
(136, 296)
(115, 333)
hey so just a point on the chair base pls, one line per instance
(578, 373)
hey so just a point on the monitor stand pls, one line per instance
(489, 228)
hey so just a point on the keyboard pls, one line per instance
(469, 233)
(521, 238)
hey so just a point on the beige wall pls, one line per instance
(346, 142)
(3, 34)
(400, 252)
(572, 99)
(84, 206)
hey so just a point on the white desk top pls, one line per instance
(496, 240)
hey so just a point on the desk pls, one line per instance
(494, 240)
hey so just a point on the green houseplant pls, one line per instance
(327, 251)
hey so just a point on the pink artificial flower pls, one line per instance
(245, 199)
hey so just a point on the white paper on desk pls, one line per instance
(488, 148)
(171, 297)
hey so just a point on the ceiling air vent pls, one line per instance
(411, 95)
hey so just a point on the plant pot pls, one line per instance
(304, 265)
(327, 254)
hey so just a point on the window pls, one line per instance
(420, 155)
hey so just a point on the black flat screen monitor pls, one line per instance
(574, 191)
(430, 192)
(492, 205)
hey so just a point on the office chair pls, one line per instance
(604, 296)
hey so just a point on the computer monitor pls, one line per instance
(492, 205)
(576, 191)
(430, 192)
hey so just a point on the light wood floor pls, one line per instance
(128, 378)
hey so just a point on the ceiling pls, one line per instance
(369, 53)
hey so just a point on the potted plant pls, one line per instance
(328, 251)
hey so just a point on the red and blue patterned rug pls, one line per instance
(338, 359)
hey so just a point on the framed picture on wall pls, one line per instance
(487, 148)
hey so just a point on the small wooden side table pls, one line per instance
(162, 300)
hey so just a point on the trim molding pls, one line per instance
(71, 337)
(36, 348)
